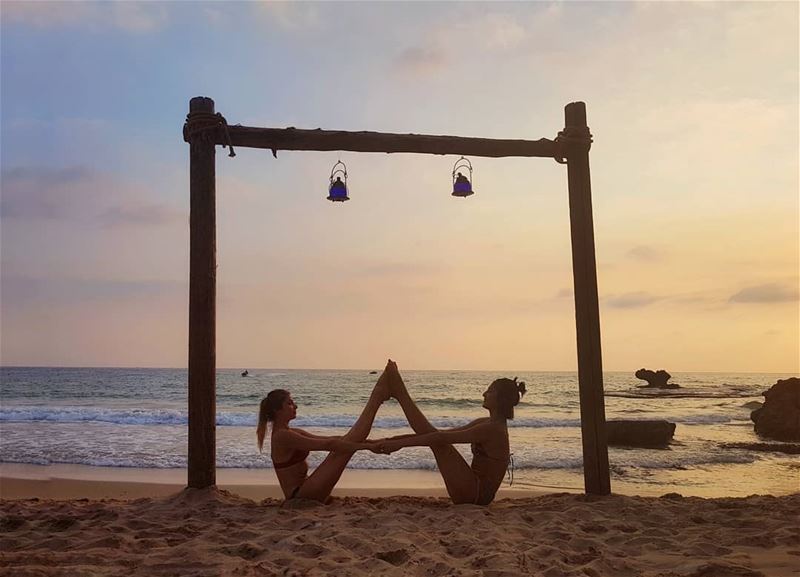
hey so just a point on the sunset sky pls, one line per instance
(694, 112)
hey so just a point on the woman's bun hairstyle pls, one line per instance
(509, 392)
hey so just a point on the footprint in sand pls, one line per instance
(396, 557)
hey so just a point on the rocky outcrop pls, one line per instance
(779, 418)
(647, 434)
(656, 379)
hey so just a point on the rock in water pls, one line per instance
(648, 434)
(779, 418)
(656, 379)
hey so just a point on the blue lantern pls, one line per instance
(337, 189)
(462, 186)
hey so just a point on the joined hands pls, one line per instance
(384, 446)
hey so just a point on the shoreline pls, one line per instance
(68, 482)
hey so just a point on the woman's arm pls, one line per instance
(469, 425)
(313, 436)
(295, 440)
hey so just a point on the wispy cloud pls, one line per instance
(645, 253)
(133, 17)
(501, 31)
(292, 16)
(139, 17)
(493, 32)
(631, 300)
(422, 60)
(767, 293)
(564, 293)
(41, 192)
(78, 193)
(142, 214)
(21, 290)
(400, 269)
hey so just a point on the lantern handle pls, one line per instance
(342, 171)
(462, 163)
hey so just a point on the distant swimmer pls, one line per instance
(245, 373)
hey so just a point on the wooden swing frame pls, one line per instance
(204, 130)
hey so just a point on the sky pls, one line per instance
(693, 107)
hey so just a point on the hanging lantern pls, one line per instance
(337, 189)
(462, 186)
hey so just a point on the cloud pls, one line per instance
(631, 300)
(501, 31)
(142, 214)
(767, 293)
(134, 17)
(494, 32)
(139, 17)
(292, 16)
(40, 192)
(645, 254)
(77, 193)
(422, 60)
(401, 269)
(20, 290)
(46, 14)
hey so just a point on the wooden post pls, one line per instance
(577, 141)
(202, 297)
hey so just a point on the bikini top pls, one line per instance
(297, 457)
(479, 451)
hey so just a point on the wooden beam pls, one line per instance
(587, 316)
(299, 139)
(202, 301)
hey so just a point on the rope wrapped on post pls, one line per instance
(200, 124)
(570, 138)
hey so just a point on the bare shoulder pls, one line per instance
(283, 434)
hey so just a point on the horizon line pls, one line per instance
(3, 366)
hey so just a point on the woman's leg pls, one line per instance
(460, 480)
(320, 483)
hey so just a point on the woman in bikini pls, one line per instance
(476, 483)
(290, 446)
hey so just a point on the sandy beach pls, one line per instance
(146, 523)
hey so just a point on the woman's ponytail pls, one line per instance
(270, 404)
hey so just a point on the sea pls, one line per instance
(137, 418)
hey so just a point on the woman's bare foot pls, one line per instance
(382, 389)
(392, 377)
